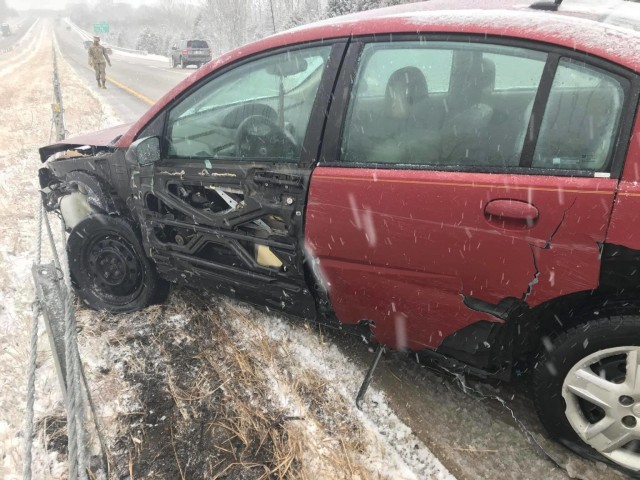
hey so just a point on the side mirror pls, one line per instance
(144, 151)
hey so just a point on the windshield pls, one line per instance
(197, 44)
(259, 83)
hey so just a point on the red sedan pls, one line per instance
(455, 180)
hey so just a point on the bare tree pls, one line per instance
(226, 23)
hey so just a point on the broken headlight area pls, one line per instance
(53, 189)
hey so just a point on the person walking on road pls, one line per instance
(98, 59)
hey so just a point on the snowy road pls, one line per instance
(19, 28)
(473, 434)
(135, 82)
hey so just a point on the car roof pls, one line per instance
(609, 29)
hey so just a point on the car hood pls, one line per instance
(102, 139)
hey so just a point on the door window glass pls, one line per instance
(441, 103)
(433, 63)
(257, 111)
(580, 120)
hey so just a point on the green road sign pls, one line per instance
(102, 27)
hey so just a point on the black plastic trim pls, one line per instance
(333, 133)
(620, 269)
(466, 169)
(321, 106)
(537, 112)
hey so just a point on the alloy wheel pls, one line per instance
(602, 396)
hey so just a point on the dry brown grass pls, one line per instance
(234, 404)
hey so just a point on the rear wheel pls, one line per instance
(587, 390)
(109, 268)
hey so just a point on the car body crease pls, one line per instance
(546, 246)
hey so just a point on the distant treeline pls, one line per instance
(224, 24)
(5, 11)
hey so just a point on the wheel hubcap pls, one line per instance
(602, 395)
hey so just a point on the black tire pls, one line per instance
(557, 360)
(109, 268)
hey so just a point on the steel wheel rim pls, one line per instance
(113, 268)
(602, 397)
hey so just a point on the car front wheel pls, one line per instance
(109, 268)
(587, 390)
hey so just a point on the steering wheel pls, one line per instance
(258, 136)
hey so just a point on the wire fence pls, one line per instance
(54, 303)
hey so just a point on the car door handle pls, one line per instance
(511, 210)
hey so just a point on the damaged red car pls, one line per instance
(455, 180)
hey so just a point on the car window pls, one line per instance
(512, 72)
(257, 110)
(197, 44)
(434, 63)
(441, 103)
(580, 120)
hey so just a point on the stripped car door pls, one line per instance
(223, 206)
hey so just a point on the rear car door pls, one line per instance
(468, 177)
(223, 206)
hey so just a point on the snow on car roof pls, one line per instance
(610, 29)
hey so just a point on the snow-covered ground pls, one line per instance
(241, 393)
(26, 86)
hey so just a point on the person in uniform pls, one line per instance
(98, 59)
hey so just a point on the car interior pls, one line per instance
(474, 123)
(271, 125)
(470, 119)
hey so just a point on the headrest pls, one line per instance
(408, 82)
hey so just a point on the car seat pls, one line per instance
(466, 129)
(409, 117)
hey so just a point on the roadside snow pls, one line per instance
(11, 63)
(394, 449)
(27, 81)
